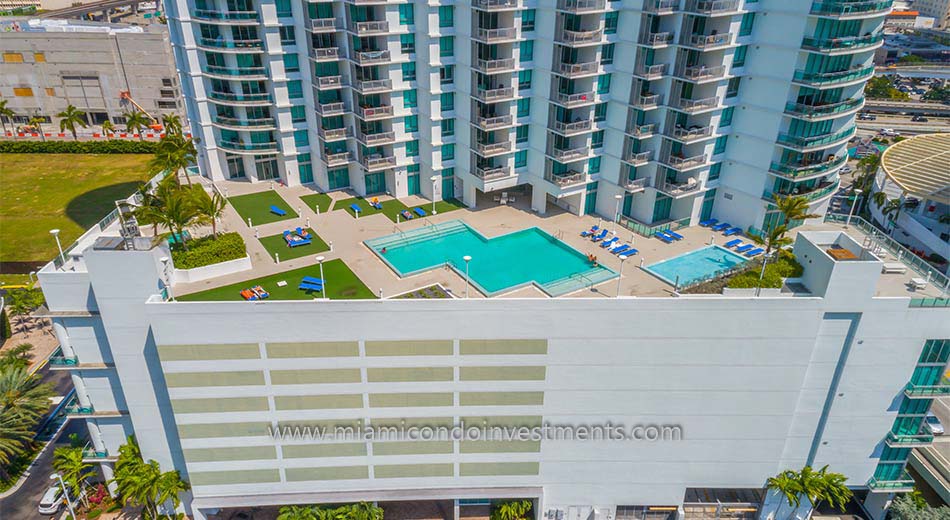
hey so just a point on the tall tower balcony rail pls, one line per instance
(496, 5)
(850, 9)
(581, 6)
(712, 7)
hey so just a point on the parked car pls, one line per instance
(889, 132)
(919, 119)
(52, 500)
(932, 424)
(846, 169)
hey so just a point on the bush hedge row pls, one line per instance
(207, 250)
(785, 266)
(105, 147)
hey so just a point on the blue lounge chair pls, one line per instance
(406, 215)
(610, 242)
(419, 211)
(304, 286)
(732, 231)
(590, 232)
(599, 236)
(666, 238)
(674, 234)
(311, 279)
(708, 223)
(277, 211)
(356, 208)
(629, 252)
(377, 204)
(721, 226)
(302, 233)
(755, 252)
(734, 243)
(622, 250)
(745, 248)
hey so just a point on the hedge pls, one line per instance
(104, 147)
(207, 250)
(785, 266)
(5, 330)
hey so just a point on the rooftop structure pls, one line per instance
(919, 166)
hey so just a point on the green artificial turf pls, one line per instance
(341, 282)
(442, 206)
(318, 200)
(256, 206)
(276, 244)
(391, 208)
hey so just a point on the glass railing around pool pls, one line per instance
(648, 230)
(926, 303)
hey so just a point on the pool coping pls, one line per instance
(471, 280)
(647, 269)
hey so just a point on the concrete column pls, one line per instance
(539, 200)
(95, 435)
(63, 337)
(108, 472)
(80, 387)
(198, 514)
(876, 504)
(468, 193)
(455, 509)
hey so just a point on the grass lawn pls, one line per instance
(342, 284)
(256, 206)
(442, 206)
(390, 207)
(69, 192)
(277, 244)
(318, 200)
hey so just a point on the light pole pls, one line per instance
(854, 204)
(617, 212)
(32, 276)
(320, 260)
(623, 258)
(467, 260)
(433, 179)
(69, 504)
(62, 258)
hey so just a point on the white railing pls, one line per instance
(687, 134)
(370, 57)
(491, 173)
(373, 112)
(326, 53)
(662, 38)
(378, 138)
(581, 6)
(575, 69)
(493, 148)
(491, 66)
(680, 189)
(371, 163)
(328, 109)
(332, 134)
(495, 93)
(594, 36)
(651, 71)
(372, 27)
(648, 100)
(489, 5)
(700, 72)
(713, 40)
(336, 159)
(698, 104)
(574, 99)
(686, 162)
(563, 155)
(489, 123)
(635, 185)
(639, 157)
(642, 130)
(576, 126)
(373, 85)
(505, 33)
(323, 25)
(569, 179)
(329, 81)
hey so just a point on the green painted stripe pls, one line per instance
(413, 470)
(234, 453)
(327, 473)
(313, 349)
(500, 446)
(210, 431)
(498, 469)
(222, 478)
(407, 422)
(198, 379)
(501, 398)
(409, 400)
(318, 402)
(402, 375)
(216, 405)
(318, 376)
(502, 373)
(529, 421)
(328, 424)
(482, 347)
(412, 447)
(208, 352)
(306, 451)
(409, 348)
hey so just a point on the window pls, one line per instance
(447, 99)
(298, 113)
(50, 91)
(409, 71)
(12, 57)
(448, 127)
(39, 57)
(600, 112)
(448, 152)
(593, 165)
(738, 59)
(301, 138)
(446, 16)
(412, 169)
(610, 22)
(521, 158)
(745, 28)
(283, 8)
(524, 79)
(603, 83)
(720, 145)
(714, 171)
(521, 134)
(22, 91)
(447, 75)
(527, 50)
(412, 124)
(597, 139)
(412, 148)
(287, 36)
(726, 118)
(409, 99)
(446, 46)
(732, 89)
(291, 63)
(527, 20)
(524, 107)
(407, 43)
(406, 15)
(607, 54)
(295, 89)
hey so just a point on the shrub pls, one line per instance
(105, 147)
(5, 330)
(785, 266)
(208, 250)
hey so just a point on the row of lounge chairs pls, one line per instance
(726, 228)
(254, 293)
(298, 237)
(749, 250)
(668, 235)
(612, 245)
(310, 283)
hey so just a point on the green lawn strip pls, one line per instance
(318, 200)
(442, 206)
(342, 284)
(276, 244)
(391, 208)
(256, 206)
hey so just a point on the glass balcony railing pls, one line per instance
(842, 44)
(89, 454)
(641, 131)
(488, 174)
(496, 5)
(811, 194)
(928, 391)
(379, 162)
(494, 122)
(634, 185)
(645, 101)
(263, 122)
(337, 159)
(496, 35)
(60, 360)
(572, 128)
(221, 43)
(224, 16)
(900, 440)
(929, 303)
(581, 6)
(712, 6)
(903, 482)
(76, 409)
(335, 134)
(638, 158)
(322, 25)
(818, 111)
(567, 179)
(238, 146)
(258, 97)
(648, 230)
(817, 141)
(219, 70)
(832, 78)
(850, 8)
(793, 170)
(495, 66)
(575, 99)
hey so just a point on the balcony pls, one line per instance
(488, 174)
(913, 391)
(712, 41)
(377, 139)
(493, 95)
(811, 194)
(817, 141)
(337, 159)
(574, 100)
(494, 123)
(904, 483)
(248, 148)
(900, 440)
(651, 72)
(77, 410)
(59, 360)
(495, 66)
(850, 9)
(685, 163)
(502, 34)
(638, 158)
(574, 70)
(635, 185)
(234, 45)
(577, 127)
(496, 5)
(377, 163)
(797, 171)
(567, 180)
(843, 45)
(331, 109)
(567, 155)
(242, 123)
(370, 86)
(697, 105)
(228, 17)
(815, 112)
(679, 190)
(372, 57)
(335, 134)
(827, 79)
(371, 28)
(641, 131)
(690, 134)
(259, 98)
(581, 6)
(323, 25)
(325, 54)
(89, 455)
(698, 73)
(713, 7)
(328, 82)
(241, 73)
(493, 149)
(657, 39)
(580, 37)
(647, 101)
(660, 6)
(374, 113)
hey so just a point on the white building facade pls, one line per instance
(655, 112)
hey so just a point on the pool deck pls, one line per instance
(346, 234)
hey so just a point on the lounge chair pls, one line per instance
(721, 226)
(734, 243)
(277, 211)
(419, 211)
(356, 208)
(304, 286)
(743, 249)
(665, 238)
(622, 250)
(590, 232)
(599, 236)
(376, 204)
(755, 252)
(708, 223)
(732, 231)
(674, 234)
(260, 292)
(406, 215)
(609, 242)
(312, 280)
(302, 233)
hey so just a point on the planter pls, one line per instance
(211, 271)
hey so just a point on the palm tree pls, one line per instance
(172, 124)
(17, 357)
(811, 483)
(835, 492)
(108, 128)
(69, 463)
(6, 114)
(174, 153)
(514, 510)
(297, 513)
(15, 435)
(37, 123)
(893, 207)
(786, 484)
(210, 209)
(70, 118)
(23, 400)
(178, 213)
(135, 122)
(879, 198)
(169, 487)
(793, 208)
(774, 239)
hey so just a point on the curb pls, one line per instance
(26, 474)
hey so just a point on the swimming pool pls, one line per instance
(503, 263)
(695, 266)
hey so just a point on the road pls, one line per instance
(903, 124)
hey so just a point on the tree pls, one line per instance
(297, 513)
(174, 153)
(893, 207)
(70, 118)
(941, 94)
(364, 511)
(911, 59)
(786, 485)
(177, 213)
(879, 198)
(141, 483)
(108, 129)
(834, 491)
(172, 124)
(68, 461)
(209, 208)
(793, 208)
(17, 357)
(912, 506)
(6, 114)
(23, 400)
(135, 122)
(36, 122)
(21, 303)
(514, 510)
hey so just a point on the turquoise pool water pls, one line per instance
(697, 265)
(498, 264)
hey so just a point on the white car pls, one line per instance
(932, 424)
(889, 132)
(52, 500)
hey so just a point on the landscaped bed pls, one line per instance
(785, 266)
(208, 250)
(394, 207)
(276, 244)
(318, 200)
(341, 283)
(256, 206)
(432, 292)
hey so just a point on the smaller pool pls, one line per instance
(692, 267)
